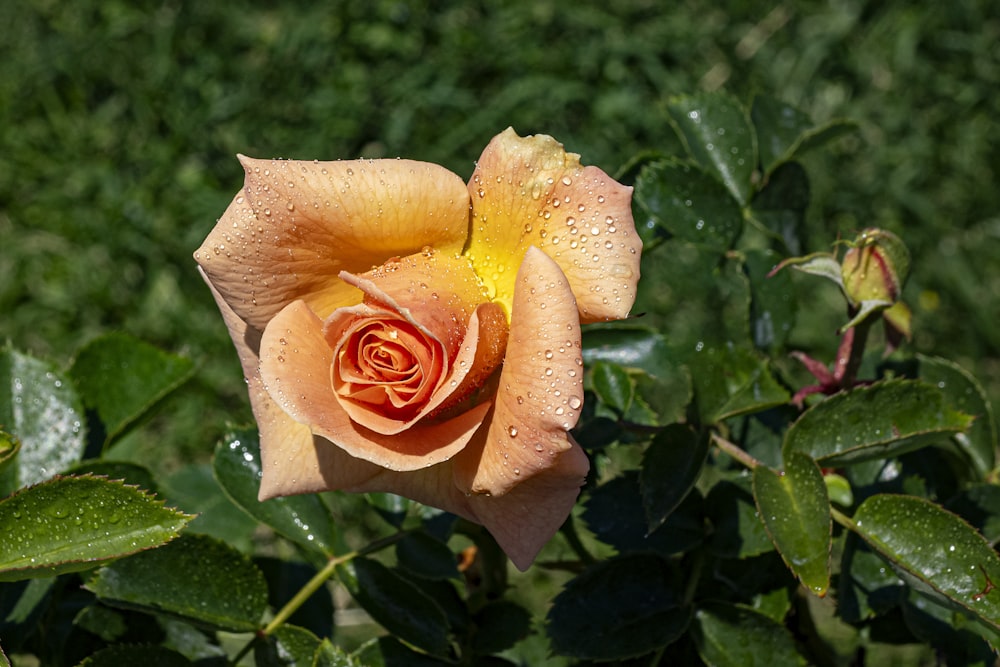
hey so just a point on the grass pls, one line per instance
(119, 122)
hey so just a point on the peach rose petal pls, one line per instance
(530, 191)
(293, 460)
(295, 367)
(523, 520)
(540, 387)
(296, 225)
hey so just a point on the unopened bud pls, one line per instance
(875, 267)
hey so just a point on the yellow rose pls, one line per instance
(403, 332)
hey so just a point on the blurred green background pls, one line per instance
(120, 120)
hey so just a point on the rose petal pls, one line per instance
(527, 517)
(529, 191)
(295, 367)
(296, 225)
(540, 388)
(292, 459)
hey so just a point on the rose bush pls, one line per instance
(402, 331)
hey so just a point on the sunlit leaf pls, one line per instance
(733, 636)
(304, 519)
(195, 577)
(619, 608)
(42, 409)
(878, 421)
(689, 204)
(330, 655)
(670, 468)
(122, 377)
(612, 385)
(718, 135)
(396, 604)
(957, 566)
(69, 524)
(796, 513)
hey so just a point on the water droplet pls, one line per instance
(574, 402)
(512, 431)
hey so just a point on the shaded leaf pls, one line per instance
(396, 604)
(689, 203)
(980, 506)
(868, 587)
(195, 577)
(738, 532)
(942, 628)
(390, 652)
(42, 409)
(620, 608)
(612, 385)
(731, 381)
(795, 510)
(122, 377)
(879, 421)
(956, 567)
(784, 132)
(717, 132)
(670, 467)
(130, 473)
(304, 519)
(70, 524)
(147, 656)
(614, 513)
(426, 557)
(194, 489)
(499, 625)
(779, 209)
(21, 604)
(285, 579)
(772, 300)
(288, 646)
(733, 636)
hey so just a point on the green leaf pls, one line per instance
(731, 381)
(784, 132)
(942, 628)
(733, 636)
(304, 520)
(330, 655)
(879, 421)
(499, 625)
(612, 385)
(957, 565)
(70, 524)
(21, 605)
(43, 411)
(288, 646)
(795, 510)
(738, 532)
(130, 473)
(396, 604)
(772, 300)
(619, 608)
(614, 513)
(779, 209)
(689, 203)
(963, 393)
(9, 447)
(821, 264)
(867, 586)
(979, 504)
(195, 578)
(4, 662)
(194, 489)
(718, 135)
(426, 557)
(147, 656)
(670, 467)
(122, 377)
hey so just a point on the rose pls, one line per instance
(403, 332)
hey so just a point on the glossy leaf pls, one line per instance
(9, 447)
(717, 132)
(304, 520)
(733, 636)
(612, 385)
(41, 408)
(331, 655)
(122, 377)
(620, 608)
(957, 566)
(783, 131)
(731, 381)
(689, 203)
(879, 421)
(670, 467)
(69, 524)
(795, 510)
(195, 577)
(963, 393)
(147, 656)
(288, 646)
(399, 606)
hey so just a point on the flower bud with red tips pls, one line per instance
(875, 268)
